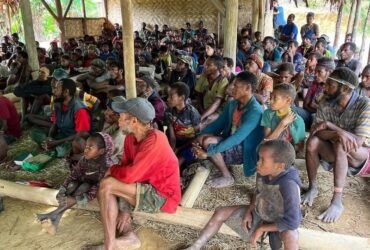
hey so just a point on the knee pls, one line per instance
(219, 214)
(312, 143)
(290, 238)
(207, 141)
(106, 185)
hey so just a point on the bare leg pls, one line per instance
(3, 147)
(214, 224)
(226, 179)
(290, 239)
(38, 120)
(314, 149)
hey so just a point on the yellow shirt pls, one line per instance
(218, 90)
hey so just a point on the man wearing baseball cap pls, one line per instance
(148, 177)
(339, 140)
(184, 72)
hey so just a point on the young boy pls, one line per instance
(275, 206)
(181, 120)
(279, 121)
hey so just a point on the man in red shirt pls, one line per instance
(148, 177)
(9, 125)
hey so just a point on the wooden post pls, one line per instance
(357, 21)
(261, 16)
(351, 17)
(231, 29)
(29, 36)
(58, 5)
(255, 12)
(364, 35)
(338, 24)
(368, 56)
(195, 186)
(128, 48)
(106, 8)
(84, 26)
(189, 217)
(9, 18)
(67, 9)
(268, 21)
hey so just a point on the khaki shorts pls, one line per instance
(147, 199)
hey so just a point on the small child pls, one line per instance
(279, 121)
(274, 208)
(181, 118)
(81, 186)
(364, 86)
(286, 73)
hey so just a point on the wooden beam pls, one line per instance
(219, 5)
(357, 21)
(68, 7)
(106, 8)
(231, 29)
(9, 18)
(189, 217)
(50, 10)
(351, 17)
(29, 35)
(192, 192)
(261, 16)
(338, 24)
(84, 8)
(255, 12)
(128, 47)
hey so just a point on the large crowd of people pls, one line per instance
(283, 99)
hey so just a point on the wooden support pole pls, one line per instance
(338, 24)
(29, 36)
(128, 47)
(9, 18)
(58, 5)
(357, 21)
(268, 20)
(195, 186)
(255, 11)
(351, 17)
(231, 29)
(67, 9)
(364, 35)
(106, 8)
(261, 16)
(47, 7)
(84, 26)
(189, 217)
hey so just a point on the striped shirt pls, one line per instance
(355, 118)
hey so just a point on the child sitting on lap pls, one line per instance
(275, 206)
(81, 186)
(279, 121)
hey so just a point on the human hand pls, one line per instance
(256, 236)
(348, 141)
(288, 119)
(318, 127)
(49, 143)
(123, 221)
(199, 152)
(247, 221)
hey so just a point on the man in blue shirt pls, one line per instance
(279, 18)
(290, 30)
(234, 136)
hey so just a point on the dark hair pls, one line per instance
(98, 139)
(163, 48)
(351, 45)
(70, 85)
(317, 55)
(218, 61)
(282, 151)
(286, 89)
(268, 39)
(291, 15)
(182, 89)
(289, 67)
(66, 57)
(150, 82)
(23, 54)
(367, 68)
(115, 92)
(257, 33)
(114, 63)
(345, 74)
(229, 62)
(294, 42)
(309, 14)
(326, 62)
(248, 78)
(322, 41)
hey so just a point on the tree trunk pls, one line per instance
(9, 18)
(255, 7)
(357, 21)
(364, 35)
(231, 29)
(128, 47)
(338, 24)
(351, 18)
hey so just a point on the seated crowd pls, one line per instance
(283, 99)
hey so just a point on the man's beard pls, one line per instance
(126, 131)
(333, 97)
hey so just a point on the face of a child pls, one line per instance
(279, 101)
(239, 90)
(251, 66)
(209, 50)
(174, 99)
(365, 77)
(91, 150)
(292, 48)
(311, 61)
(321, 73)
(266, 166)
(285, 77)
(64, 62)
(210, 68)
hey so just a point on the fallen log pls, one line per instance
(189, 217)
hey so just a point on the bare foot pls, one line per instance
(49, 222)
(48, 226)
(221, 182)
(128, 242)
(309, 196)
(333, 212)
(41, 217)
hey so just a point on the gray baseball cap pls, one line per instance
(60, 74)
(139, 107)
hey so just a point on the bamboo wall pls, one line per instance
(74, 27)
(176, 13)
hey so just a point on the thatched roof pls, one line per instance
(13, 4)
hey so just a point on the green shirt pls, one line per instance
(218, 90)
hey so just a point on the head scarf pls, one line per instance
(109, 148)
(258, 60)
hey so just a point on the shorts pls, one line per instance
(233, 156)
(236, 218)
(362, 171)
(147, 199)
